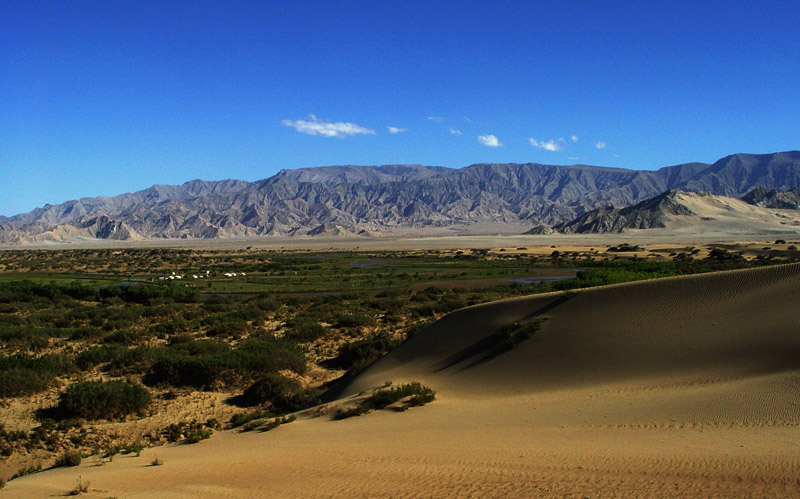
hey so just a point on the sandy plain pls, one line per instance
(680, 387)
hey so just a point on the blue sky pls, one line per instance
(106, 97)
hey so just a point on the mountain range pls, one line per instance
(375, 199)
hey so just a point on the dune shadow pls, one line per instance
(493, 345)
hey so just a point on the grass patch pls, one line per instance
(416, 393)
(242, 419)
(81, 487)
(188, 432)
(267, 425)
(27, 470)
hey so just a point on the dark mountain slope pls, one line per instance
(364, 198)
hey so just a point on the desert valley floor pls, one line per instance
(679, 387)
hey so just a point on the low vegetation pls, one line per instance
(267, 424)
(514, 333)
(68, 460)
(412, 394)
(190, 432)
(71, 318)
(94, 400)
(81, 487)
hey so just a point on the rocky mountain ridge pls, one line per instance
(362, 199)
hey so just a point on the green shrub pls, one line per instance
(67, 460)
(358, 354)
(356, 320)
(102, 400)
(241, 419)
(305, 330)
(34, 468)
(22, 374)
(197, 435)
(99, 355)
(513, 333)
(263, 426)
(284, 394)
(191, 433)
(248, 360)
(123, 338)
(417, 394)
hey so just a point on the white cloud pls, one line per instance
(489, 140)
(455, 132)
(574, 138)
(434, 118)
(574, 158)
(600, 144)
(315, 126)
(550, 145)
(394, 129)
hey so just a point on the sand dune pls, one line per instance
(682, 387)
(718, 326)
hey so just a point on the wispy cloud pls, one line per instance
(489, 140)
(455, 132)
(600, 144)
(394, 129)
(575, 138)
(550, 145)
(315, 126)
(434, 118)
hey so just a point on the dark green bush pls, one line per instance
(356, 320)
(123, 338)
(102, 400)
(358, 354)
(284, 394)
(514, 333)
(67, 460)
(305, 330)
(150, 294)
(417, 394)
(249, 359)
(269, 425)
(190, 432)
(242, 419)
(99, 355)
(194, 436)
(24, 374)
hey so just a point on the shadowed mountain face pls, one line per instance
(676, 208)
(362, 199)
(782, 200)
(651, 213)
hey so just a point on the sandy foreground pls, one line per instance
(681, 387)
